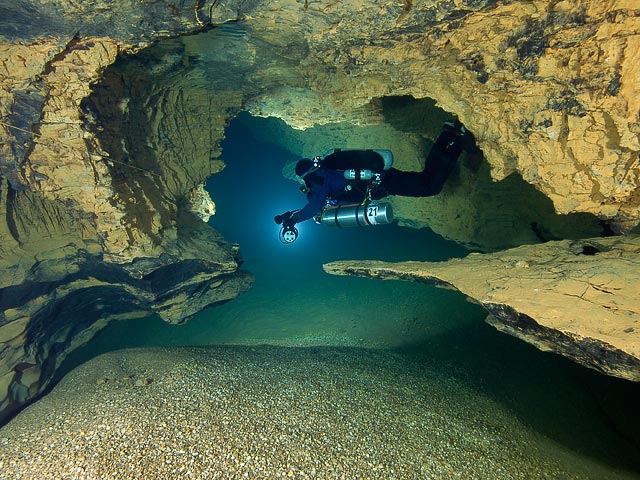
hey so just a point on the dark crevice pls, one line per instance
(69, 47)
(589, 250)
(586, 247)
(10, 215)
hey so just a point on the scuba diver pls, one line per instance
(343, 186)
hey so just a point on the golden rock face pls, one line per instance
(550, 89)
(78, 248)
(576, 298)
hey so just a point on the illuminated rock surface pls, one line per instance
(82, 243)
(576, 298)
(107, 180)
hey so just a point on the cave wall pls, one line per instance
(87, 235)
(491, 65)
(549, 88)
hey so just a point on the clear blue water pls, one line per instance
(293, 302)
(252, 189)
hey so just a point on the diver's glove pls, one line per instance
(285, 219)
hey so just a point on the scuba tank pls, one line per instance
(353, 174)
(362, 215)
(366, 166)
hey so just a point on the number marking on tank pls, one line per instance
(372, 213)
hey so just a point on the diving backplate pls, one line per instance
(348, 158)
(369, 213)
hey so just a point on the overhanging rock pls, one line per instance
(575, 298)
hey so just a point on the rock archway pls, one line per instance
(101, 197)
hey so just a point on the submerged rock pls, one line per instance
(62, 302)
(575, 298)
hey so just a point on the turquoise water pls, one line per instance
(294, 303)
(571, 411)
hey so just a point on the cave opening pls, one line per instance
(314, 307)
(293, 302)
(165, 110)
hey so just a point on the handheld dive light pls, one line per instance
(288, 232)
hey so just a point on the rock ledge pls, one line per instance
(575, 298)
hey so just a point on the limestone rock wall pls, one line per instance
(50, 143)
(576, 298)
(69, 294)
(549, 88)
(86, 235)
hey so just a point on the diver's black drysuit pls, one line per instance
(327, 181)
(437, 167)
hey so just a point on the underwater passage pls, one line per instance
(457, 395)
(107, 146)
(343, 186)
(404, 376)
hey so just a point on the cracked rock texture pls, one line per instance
(549, 88)
(78, 248)
(102, 168)
(576, 298)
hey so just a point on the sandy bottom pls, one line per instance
(272, 412)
